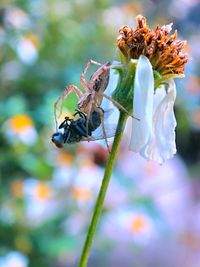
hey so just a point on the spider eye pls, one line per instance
(57, 139)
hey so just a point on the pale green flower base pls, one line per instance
(100, 200)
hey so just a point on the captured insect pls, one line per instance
(76, 130)
(90, 101)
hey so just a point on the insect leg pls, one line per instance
(67, 91)
(82, 130)
(82, 78)
(67, 135)
(81, 114)
(65, 123)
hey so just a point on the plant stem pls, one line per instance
(99, 203)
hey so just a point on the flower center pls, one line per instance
(43, 191)
(138, 224)
(21, 122)
(81, 194)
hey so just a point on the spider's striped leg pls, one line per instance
(63, 96)
(115, 103)
(82, 79)
(101, 114)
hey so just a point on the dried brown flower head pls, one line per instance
(165, 55)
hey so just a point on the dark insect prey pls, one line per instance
(76, 130)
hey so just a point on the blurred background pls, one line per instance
(152, 213)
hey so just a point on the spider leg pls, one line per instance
(116, 66)
(115, 103)
(82, 78)
(66, 92)
(101, 114)
(88, 115)
(90, 108)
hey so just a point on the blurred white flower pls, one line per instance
(40, 203)
(153, 136)
(167, 186)
(130, 225)
(14, 259)
(86, 184)
(20, 128)
(17, 18)
(27, 51)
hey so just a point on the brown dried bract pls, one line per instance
(165, 55)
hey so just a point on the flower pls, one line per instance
(151, 59)
(27, 49)
(20, 128)
(134, 225)
(83, 191)
(14, 259)
(39, 201)
(165, 56)
(154, 135)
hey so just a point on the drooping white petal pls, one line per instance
(162, 145)
(153, 136)
(142, 105)
(112, 113)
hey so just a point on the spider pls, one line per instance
(90, 100)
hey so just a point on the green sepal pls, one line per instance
(124, 91)
(162, 79)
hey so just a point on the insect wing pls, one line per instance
(98, 134)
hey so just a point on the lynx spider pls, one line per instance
(91, 99)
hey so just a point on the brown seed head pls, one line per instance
(165, 55)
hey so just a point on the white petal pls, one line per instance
(107, 105)
(112, 84)
(162, 145)
(142, 105)
(111, 113)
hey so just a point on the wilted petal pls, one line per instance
(142, 105)
(162, 146)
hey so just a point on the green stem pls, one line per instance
(99, 203)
